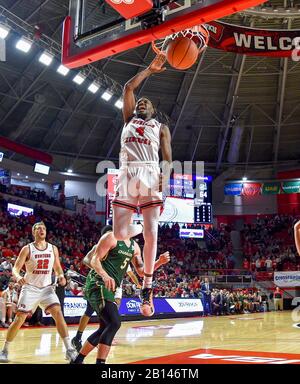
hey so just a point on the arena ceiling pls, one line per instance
(41, 109)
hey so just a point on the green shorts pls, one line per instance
(97, 295)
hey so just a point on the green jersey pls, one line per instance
(115, 264)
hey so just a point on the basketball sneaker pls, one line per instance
(147, 307)
(76, 343)
(3, 357)
(3, 325)
(71, 354)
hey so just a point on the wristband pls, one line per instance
(61, 276)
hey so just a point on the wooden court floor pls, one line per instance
(262, 337)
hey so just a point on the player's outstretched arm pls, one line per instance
(128, 93)
(58, 268)
(297, 236)
(137, 260)
(105, 244)
(23, 255)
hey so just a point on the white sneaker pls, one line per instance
(4, 357)
(71, 354)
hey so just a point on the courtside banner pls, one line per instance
(75, 306)
(252, 41)
(131, 306)
(287, 279)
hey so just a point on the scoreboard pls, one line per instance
(186, 192)
(198, 188)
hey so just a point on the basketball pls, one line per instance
(182, 53)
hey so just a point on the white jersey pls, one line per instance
(140, 141)
(39, 266)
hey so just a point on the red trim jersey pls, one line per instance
(140, 141)
(39, 266)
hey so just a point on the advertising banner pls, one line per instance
(271, 188)
(253, 41)
(191, 233)
(287, 279)
(75, 306)
(290, 186)
(233, 189)
(251, 189)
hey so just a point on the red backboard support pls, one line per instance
(183, 20)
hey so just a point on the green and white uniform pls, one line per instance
(115, 264)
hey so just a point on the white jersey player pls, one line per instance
(40, 259)
(140, 181)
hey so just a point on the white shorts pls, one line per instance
(118, 293)
(138, 187)
(31, 297)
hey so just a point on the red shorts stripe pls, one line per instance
(124, 205)
(151, 204)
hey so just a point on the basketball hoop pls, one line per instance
(199, 34)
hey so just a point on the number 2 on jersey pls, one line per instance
(43, 264)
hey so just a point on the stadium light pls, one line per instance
(94, 87)
(79, 78)
(70, 171)
(119, 103)
(24, 45)
(46, 58)
(107, 95)
(4, 31)
(245, 178)
(63, 70)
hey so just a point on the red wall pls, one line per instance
(289, 203)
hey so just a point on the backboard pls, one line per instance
(95, 29)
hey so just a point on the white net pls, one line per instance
(199, 34)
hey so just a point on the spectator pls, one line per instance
(206, 292)
(4, 279)
(278, 299)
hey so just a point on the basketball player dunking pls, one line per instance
(140, 182)
(40, 258)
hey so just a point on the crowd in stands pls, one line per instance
(35, 194)
(268, 245)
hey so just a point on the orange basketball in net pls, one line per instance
(182, 53)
